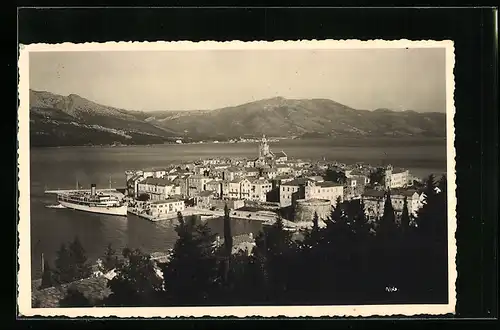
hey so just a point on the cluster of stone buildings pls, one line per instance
(270, 177)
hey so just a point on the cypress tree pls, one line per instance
(47, 276)
(388, 221)
(405, 217)
(228, 244)
(228, 237)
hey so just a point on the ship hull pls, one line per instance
(119, 211)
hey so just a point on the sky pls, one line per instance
(398, 79)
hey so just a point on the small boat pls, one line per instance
(93, 202)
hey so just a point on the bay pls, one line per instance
(62, 167)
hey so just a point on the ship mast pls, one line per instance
(109, 182)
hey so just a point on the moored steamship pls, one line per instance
(93, 201)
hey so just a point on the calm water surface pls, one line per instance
(53, 168)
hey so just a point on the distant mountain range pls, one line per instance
(57, 120)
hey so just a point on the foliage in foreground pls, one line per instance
(347, 262)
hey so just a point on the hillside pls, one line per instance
(307, 118)
(73, 120)
(57, 120)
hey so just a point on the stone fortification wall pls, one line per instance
(305, 209)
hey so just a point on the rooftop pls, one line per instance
(326, 184)
(157, 181)
(398, 170)
(374, 193)
(297, 182)
(206, 193)
(165, 201)
(281, 154)
(260, 181)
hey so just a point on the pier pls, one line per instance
(207, 214)
(71, 191)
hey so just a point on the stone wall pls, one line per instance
(305, 209)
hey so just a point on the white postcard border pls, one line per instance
(24, 255)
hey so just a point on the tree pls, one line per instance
(191, 275)
(315, 227)
(377, 176)
(64, 269)
(405, 217)
(47, 276)
(110, 260)
(228, 242)
(274, 253)
(79, 260)
(358, 220)
(335, 176)
(387, 224)
(431, 240)
(74, 298)
(136, 283)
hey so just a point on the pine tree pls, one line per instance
(136, 283)
(79, 260)
(64, 267)
(47, 276)
(192, 273)
(431, 235)
(273, 253)
(110, 258)
(358, 220)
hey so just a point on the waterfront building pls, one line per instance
(168, 207)
(196, 184)
(396, 178)
(325, 190)
(252, 172)
(157, 188)
(132, 180)
(182, 182)
(259, 190)
(204, 199)
(238, 188)
(374, 202)
(288, 189)
(304, 188)
(215, 186)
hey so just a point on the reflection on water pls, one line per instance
(53, 168)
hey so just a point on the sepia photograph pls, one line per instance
(286, 178)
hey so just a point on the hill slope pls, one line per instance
(73, 120)
(315, 117)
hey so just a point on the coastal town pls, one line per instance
(266, 186)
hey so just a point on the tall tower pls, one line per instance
(388, 176)
(263, 147)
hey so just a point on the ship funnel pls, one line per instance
(92, 189)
